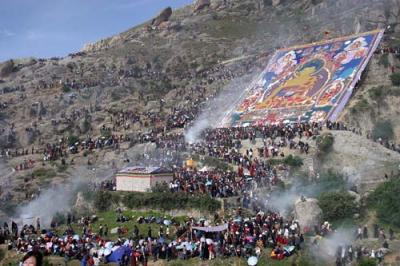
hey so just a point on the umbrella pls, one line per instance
(289, 250)
(252, 261)
(118, 254)
(167, 222)
(108, 245)
(107, 252)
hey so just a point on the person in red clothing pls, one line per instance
(90, 261)
(211, 251)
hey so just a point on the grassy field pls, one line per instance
(110, 218)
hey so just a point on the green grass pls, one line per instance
(2, 254)
(110, 217)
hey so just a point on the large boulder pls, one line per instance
(201, 4)
(276, 2)
(6, 68)
(162, 17)
(215, 4)
(307, 212)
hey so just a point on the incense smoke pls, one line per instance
(60, 198)
(218, 108)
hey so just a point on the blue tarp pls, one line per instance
(118, 254)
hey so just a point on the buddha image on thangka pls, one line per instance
(307, 83)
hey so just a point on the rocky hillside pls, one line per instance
(156, 72)
(165, 57)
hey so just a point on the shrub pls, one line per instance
(360, 106)
(325, 142)
(367, 262)
(337, 205)
(395, 78)
(383, 129)
(160, 187)
(72, 139)
(293, 161)
(66, 89)
(331, 180)
(102, 201)
(385, 200)
(377, 93)
(169, 201)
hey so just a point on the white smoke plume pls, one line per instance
(327, 247)
(218, 108)
(54, 200)
(60, 198)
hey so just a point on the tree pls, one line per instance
(385, 200)
(337, 205)
(102, 201)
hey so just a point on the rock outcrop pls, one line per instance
(201, 4)
(307, 212)
(162, 17)
(6, 68)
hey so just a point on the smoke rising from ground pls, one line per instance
(283, 200)
(216, 109)
(54, 200)
(328, 246)
(60, 198)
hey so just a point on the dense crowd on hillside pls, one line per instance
(242, 237)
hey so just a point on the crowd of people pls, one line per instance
(237, 237)
(241, 236)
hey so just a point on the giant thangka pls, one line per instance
(305, 83)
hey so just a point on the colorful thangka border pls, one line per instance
(308, 83)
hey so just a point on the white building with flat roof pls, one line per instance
(142, 179)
